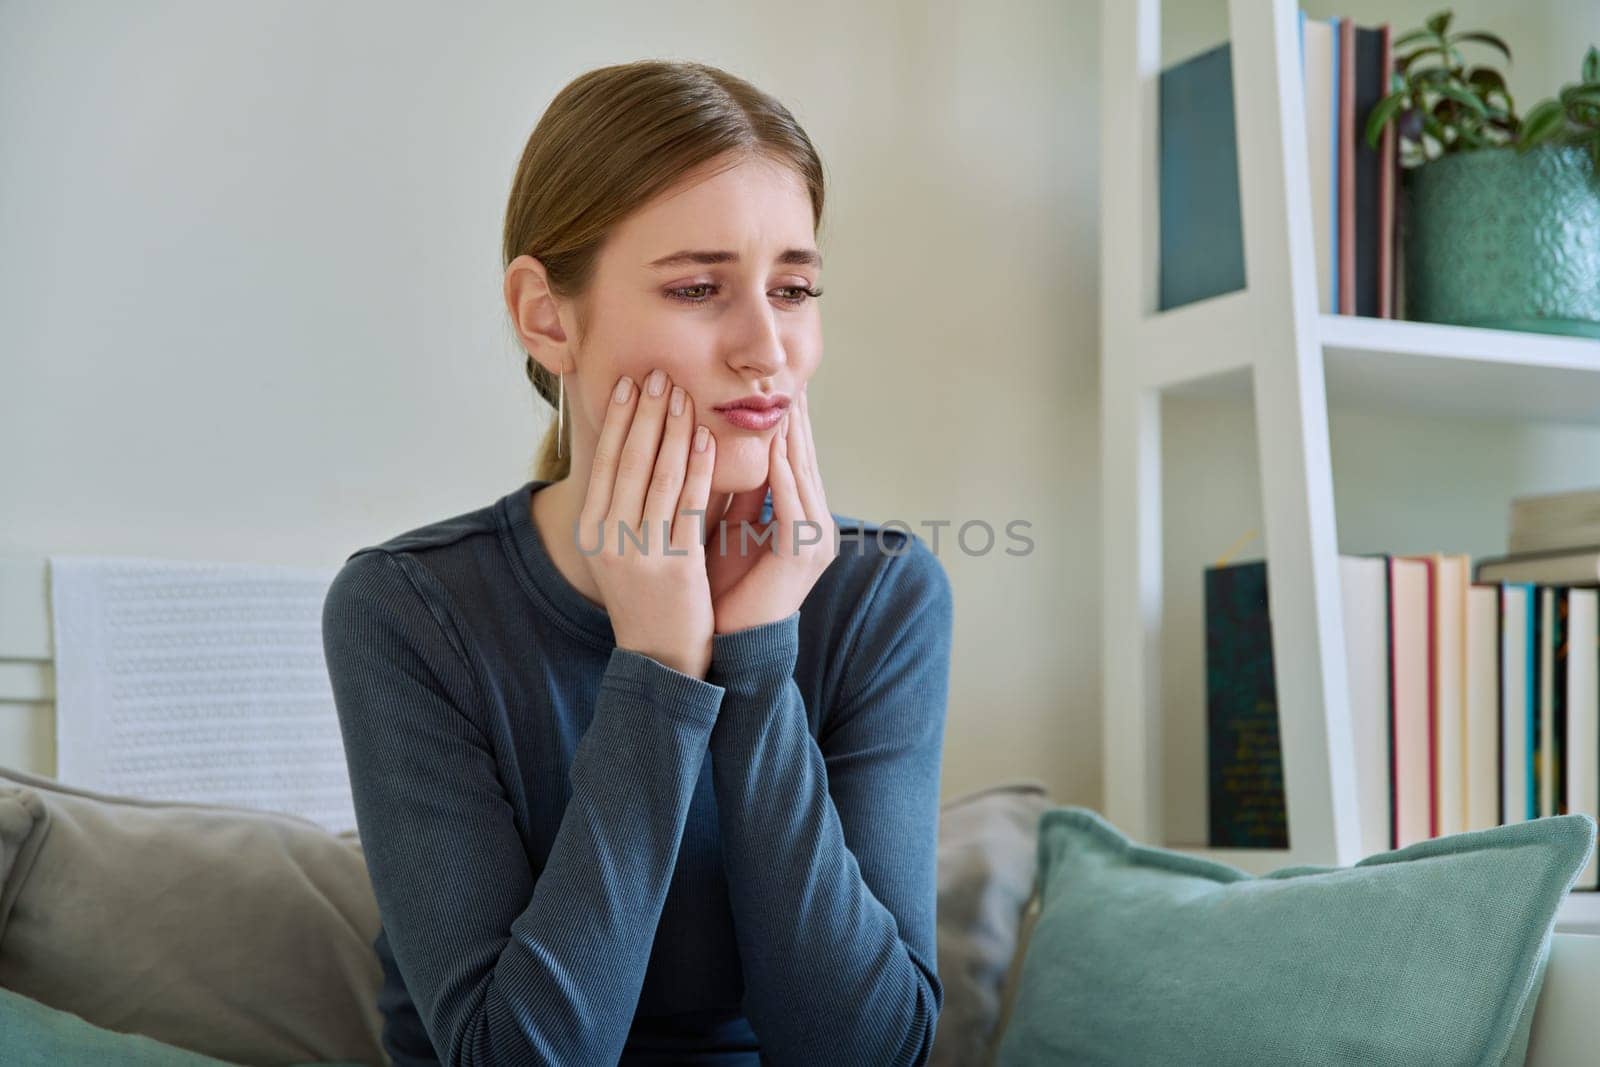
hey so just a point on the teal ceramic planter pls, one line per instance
(1505, 240)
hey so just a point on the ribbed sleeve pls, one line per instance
(506, 966)
(830, 845)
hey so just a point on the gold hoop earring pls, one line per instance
(561, 410)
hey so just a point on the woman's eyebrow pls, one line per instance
(808, 257)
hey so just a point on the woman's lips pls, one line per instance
(751, 418)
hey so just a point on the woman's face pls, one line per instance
(733, 327)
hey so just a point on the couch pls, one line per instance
(139, 929)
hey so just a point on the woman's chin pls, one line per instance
(738, 474)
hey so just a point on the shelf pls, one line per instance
(1579, 914)
(1388, 365)
(1266, 342)
(1422, 368)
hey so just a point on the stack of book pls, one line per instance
(1355, 206)
(1474, 694)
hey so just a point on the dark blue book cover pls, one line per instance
(1389, 768)
(1535, 696)
(1369, 168)
(1202, 238)
(1500, 714)
(1244, 760)
(1558, 693)
(1333, 178)
(1531, 695)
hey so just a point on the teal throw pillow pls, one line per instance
(1433, 953)
(33, 1034)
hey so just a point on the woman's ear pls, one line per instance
(536, 313)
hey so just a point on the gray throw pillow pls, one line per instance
(241, 934)
(1008, 996)
(988, 857)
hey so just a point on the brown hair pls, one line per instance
(609, 142)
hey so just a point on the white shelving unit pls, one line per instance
(1271, 336)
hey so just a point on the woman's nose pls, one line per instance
(759, 345)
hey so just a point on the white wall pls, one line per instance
(250, 292)
(251, 307)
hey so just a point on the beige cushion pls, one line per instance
(242, 934)
(987, 866)
(1008, 995)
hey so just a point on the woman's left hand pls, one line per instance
(774, 574)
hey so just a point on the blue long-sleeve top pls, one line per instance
(583, 856)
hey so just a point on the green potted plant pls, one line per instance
(1501, 222)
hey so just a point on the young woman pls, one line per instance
(645, 754)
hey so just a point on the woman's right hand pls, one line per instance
(646, 480)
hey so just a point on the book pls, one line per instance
(1402, 207)
(1364, 588)
(1577, 566)
(1449, 591)
(1455, 571)
(1202, 236)
(1555, 738)
(1244, 757)
(1519, 689)
(1481, 750)
(1367, 168)
(1548, 522)
(1581, 782)
(1542, 740)
(1317, 66)
(1335, 127)
(1245, 798)
(1347, 166)
(1411, 775)
(1388, 181)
